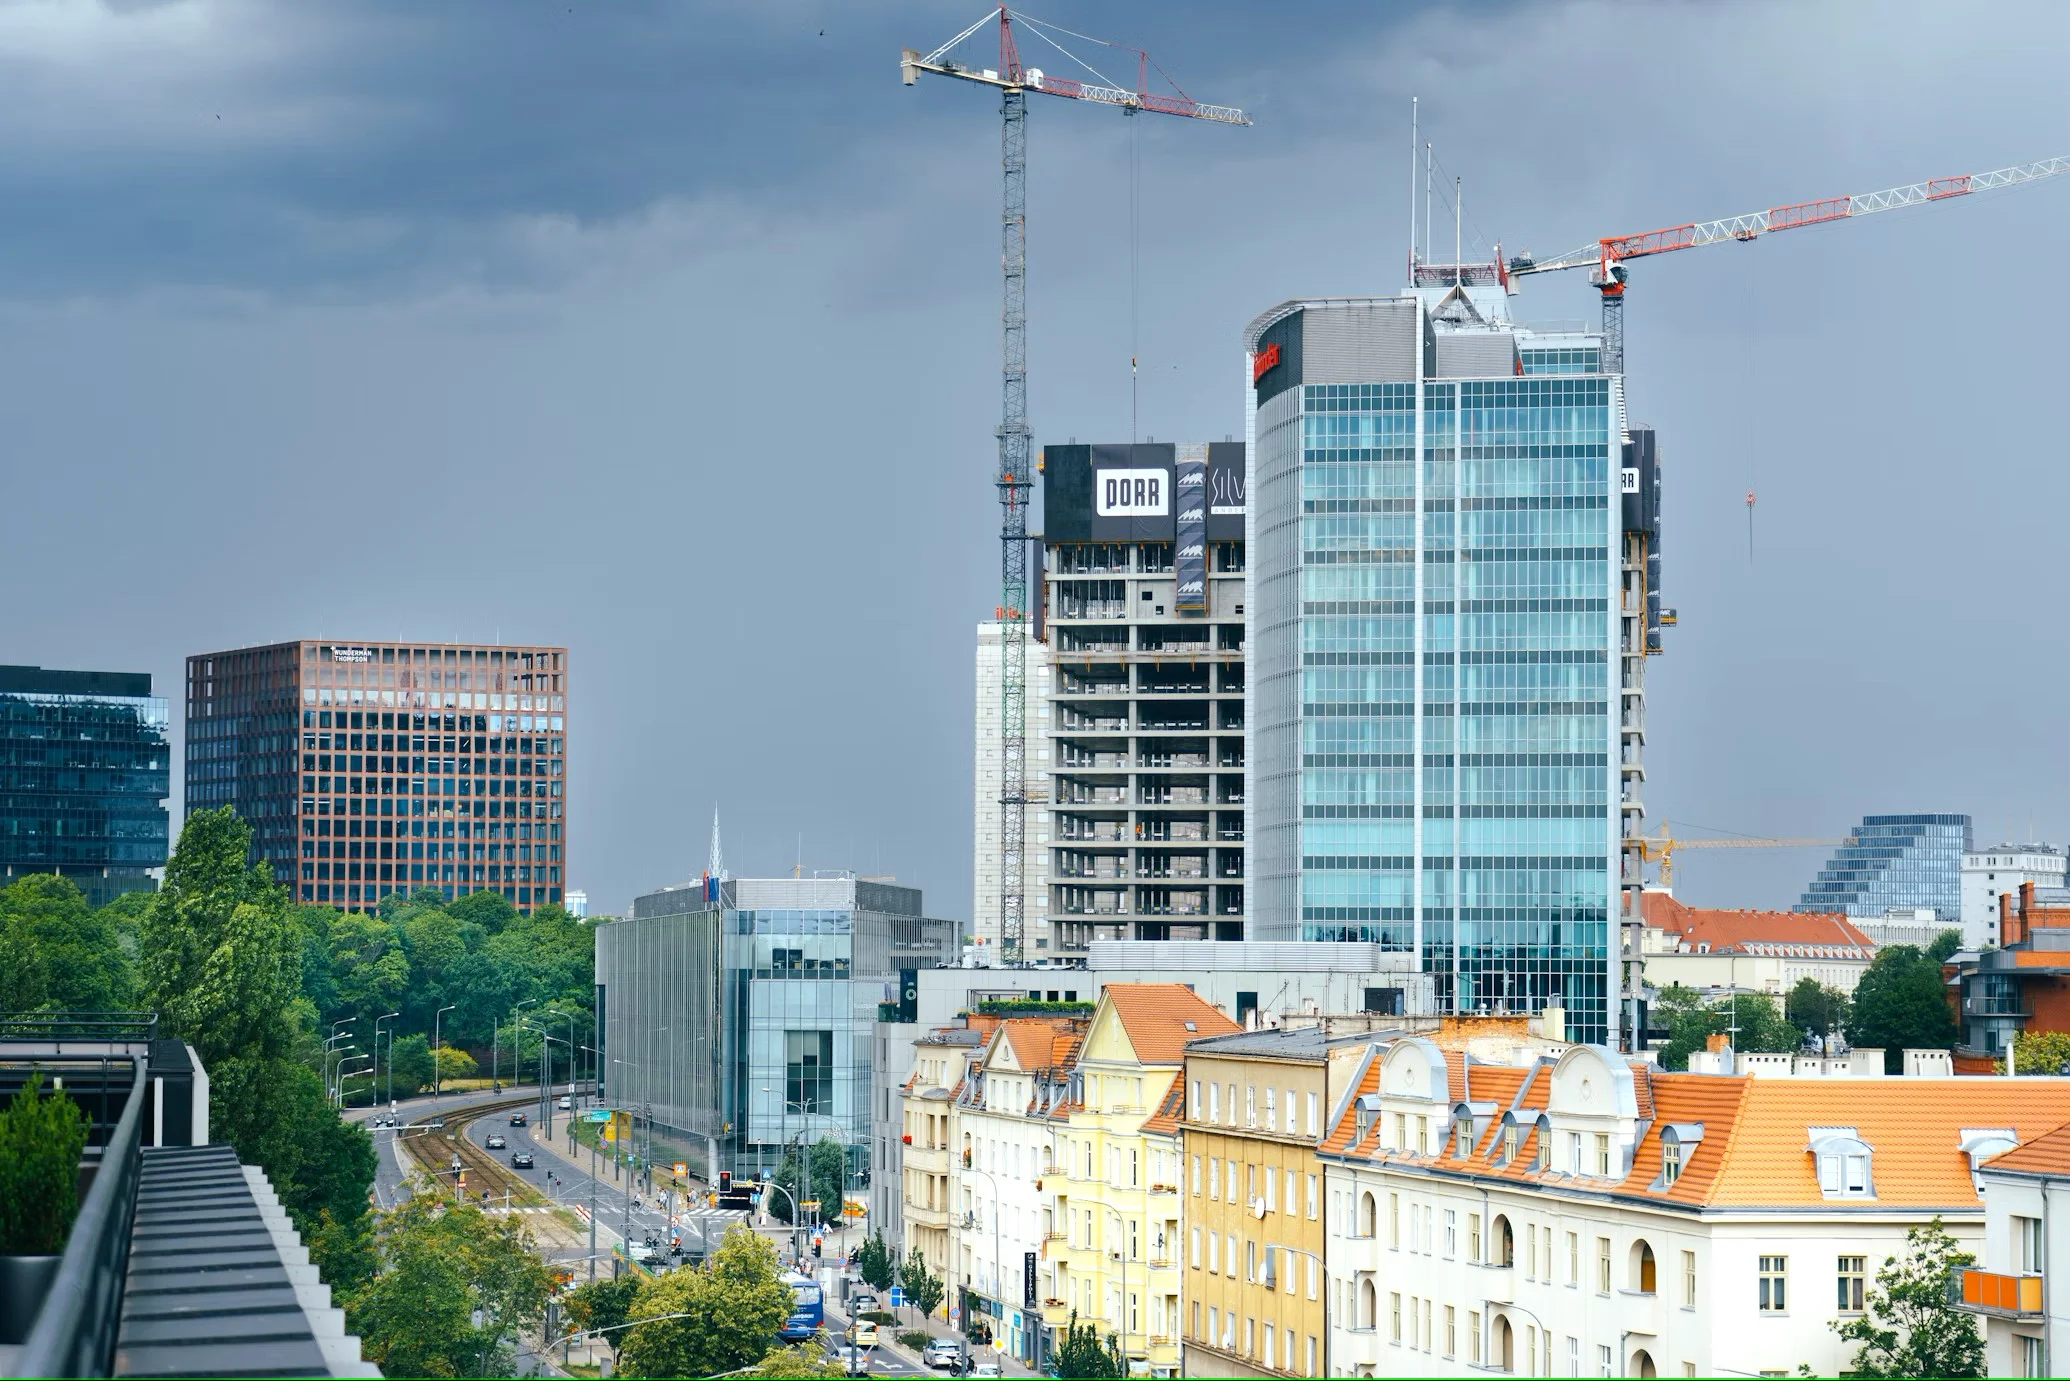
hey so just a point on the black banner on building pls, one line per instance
(1028, 1297)
(1189, 556)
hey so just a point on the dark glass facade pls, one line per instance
(84, 773)
(1895, 863)
(370, 768)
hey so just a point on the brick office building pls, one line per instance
(367, 768)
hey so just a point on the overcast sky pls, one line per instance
(669, 332)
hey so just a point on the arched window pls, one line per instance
(1368, 1214)
(1643, 1269)
(1642, 1364)
(1504, 1244)
(1368, 1302)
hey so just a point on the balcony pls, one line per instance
(1495, 1284)
(1995, 1295)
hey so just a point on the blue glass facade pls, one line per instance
(1436, 666)
(1896, 862)
(84, 773)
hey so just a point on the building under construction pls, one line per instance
(1454, 537)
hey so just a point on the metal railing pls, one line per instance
(75, 1332)
(78, 1026)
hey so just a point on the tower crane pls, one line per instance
(1663, 845)
(1605, 259)
(1013, 475)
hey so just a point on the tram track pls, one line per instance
(444, 1136)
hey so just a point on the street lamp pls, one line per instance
(517, 1054)
(391, 1051)
(436, 1018)
(343, 1075)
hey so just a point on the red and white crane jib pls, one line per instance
(1614, 249)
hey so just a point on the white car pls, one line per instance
(566, 1103)
(985, 1369)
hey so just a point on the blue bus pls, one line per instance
(807, 1310)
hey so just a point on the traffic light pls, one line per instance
(725, 1181)
(815, 1249)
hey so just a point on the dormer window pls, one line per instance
(1843, 1161)
(1512, 1141)
(1670, 1161)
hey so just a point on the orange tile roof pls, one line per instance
(1754, 1148)
(2047, 1154)
(1035, 1039)
(1726, 930)
(1154, 1015)
(1166, 1118)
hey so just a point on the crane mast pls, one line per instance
(1014, 476)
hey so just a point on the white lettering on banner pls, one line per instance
(1628, 480)
(1132, 494)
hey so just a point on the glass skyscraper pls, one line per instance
(1445, 742)
(84, 773)
(1895, 863)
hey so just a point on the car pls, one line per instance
(862, 1302)
(494, 1142)
(852, 1358)
(521, 1160)
(943, 1353)
(865, 1333)
(984, 1369)
(566, 1103)
(517, 1119)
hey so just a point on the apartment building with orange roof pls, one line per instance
(2024, 1320)
(927, 1113)
(1589, 1214)
(1114, 1193)
(1749, 951)
(1006, 1119)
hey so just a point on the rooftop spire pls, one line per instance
(715, 866)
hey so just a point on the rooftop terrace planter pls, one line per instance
(24, 1285)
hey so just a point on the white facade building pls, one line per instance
(984, 914)
(2002, 868)
(1589, 1216)
(2025, 1322)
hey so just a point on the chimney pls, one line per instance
(2008, 928)
(1717, 1041)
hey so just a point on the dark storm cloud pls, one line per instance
(670, 332)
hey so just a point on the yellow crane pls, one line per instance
(1662, 846)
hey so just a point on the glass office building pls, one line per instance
(738, 1016)
(1895, 863)
(1444, 707)
(370, 768)
(84, 773)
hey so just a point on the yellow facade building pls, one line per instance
(1115, 1190)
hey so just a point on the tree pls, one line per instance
(923, 1287)
(442, 1261)
(875, 1263)
(453, 1064)
(1082, 1354)
(279, 1117)
(604, 1304)
(830, 1178)
(207, 878)
(2041, 1052)
(1692, 1020)
(1899, 1005)
(80, 963)
(801, 1363)
(1910, 1328)
(729, 1308)
(1817, 1007)
(1944, 944)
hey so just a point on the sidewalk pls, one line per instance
(887, 1335)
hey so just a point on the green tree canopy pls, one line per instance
(875, 1264)
(1817, 1007)
(277, 1115)
(1899, 1005)
(1082, 1354)
(207, 878)
(442, 1260)
(1944, 944)
(2041, 1052)
(923, 1287)
(1691, 1019)
(802, 1362)
(603, 1304)
(1910, 1329)
(726, 1312)
(81, 963)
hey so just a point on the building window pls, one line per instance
(1250, 1105)
(1193, 1100)
(1574, 1258)
(1314, 1198)
(1852, 1270)
(1451, 1332)
(1603, 1154)
(1311, 1128)
(1394, 1305)
(1574, 1153)
(809, 1070)
(1473, 1336)
(1603, 1360)
(1774, 1284)
(1473, 1237)
(1196, 1177)
(1196, 1249)
(1394, 1221)
(1689, 1280)
(2033, 1356)
(1451, 1232)
(1602, 1265)
(2027, 1256)
(1214, 1102)
(1670, 1161)
(1573, 1355)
